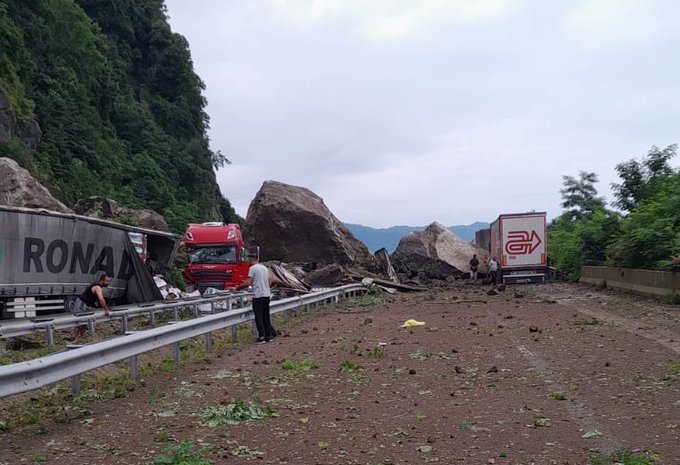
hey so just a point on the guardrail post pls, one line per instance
(49, 332)
(253, 328)
(196, 312)
(74, 381)
(90, 326)
(285, 316)
(228, 304)
(212, 307)
(175, 352)
(175, 313)
(134, 367)
(208, 342)
(125, 323)
(75, 385)
(152, 317)
(234, 333)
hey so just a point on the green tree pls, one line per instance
(650, 234)
(581, 234)
(579, 195)
(640, 179)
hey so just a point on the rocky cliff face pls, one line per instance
(436, 253)
(19, 189)
(293, 224)
(27, 133)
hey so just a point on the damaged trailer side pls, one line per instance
(47, 259)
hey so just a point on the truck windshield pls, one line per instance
(214, 254)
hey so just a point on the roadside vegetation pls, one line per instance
(641, 230)
(115, 104)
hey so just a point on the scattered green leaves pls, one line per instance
(422, 356)
(376, 352)
(626, 458)
(245, 452)
(588, 322)
(348, 366)
(182, 454)
(235, 413)
(299, 366)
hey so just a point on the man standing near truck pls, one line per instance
(493, 270)
(474, 264)
(258, 277)
(91, 298)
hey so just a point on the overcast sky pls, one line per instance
(413, 111)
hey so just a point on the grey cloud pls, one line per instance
(458, 122)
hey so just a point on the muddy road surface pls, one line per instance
(552, 374)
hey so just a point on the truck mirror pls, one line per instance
(254, 252)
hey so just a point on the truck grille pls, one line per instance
(202, 286)
(212, 275)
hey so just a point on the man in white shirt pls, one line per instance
(493, 270)
(258, 277)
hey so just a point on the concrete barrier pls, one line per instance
(658, 283)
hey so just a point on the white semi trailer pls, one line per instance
(519, 242)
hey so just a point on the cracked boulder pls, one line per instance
(435, 253)
(292, 224)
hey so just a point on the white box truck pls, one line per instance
(519, 242)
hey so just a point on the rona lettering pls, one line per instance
(58, 257)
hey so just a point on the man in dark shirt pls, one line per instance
(91, 298)
(474, 265)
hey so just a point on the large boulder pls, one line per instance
(107, 209)
(19, 189)
(292, 224)
(435, 253)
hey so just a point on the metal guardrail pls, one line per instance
(123, 313)
(70, 364)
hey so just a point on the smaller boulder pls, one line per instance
(107, 209)
(18, 188)
(329, 275)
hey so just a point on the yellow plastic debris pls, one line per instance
(411, 323)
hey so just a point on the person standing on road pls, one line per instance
(474, 264)
(493, 270)
(91, 298)
(258, 277)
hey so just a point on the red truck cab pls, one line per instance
(217, 256)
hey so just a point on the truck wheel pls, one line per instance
(70, 303)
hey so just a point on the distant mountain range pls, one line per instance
(376, 238)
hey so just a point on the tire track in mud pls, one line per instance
(578, 411)
(666, 338)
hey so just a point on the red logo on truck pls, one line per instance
(522, 242)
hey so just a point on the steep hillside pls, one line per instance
(377, 238)
(120, 108)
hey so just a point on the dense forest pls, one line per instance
(642, 230)
(118, 102)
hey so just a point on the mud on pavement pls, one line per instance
(506, 379)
